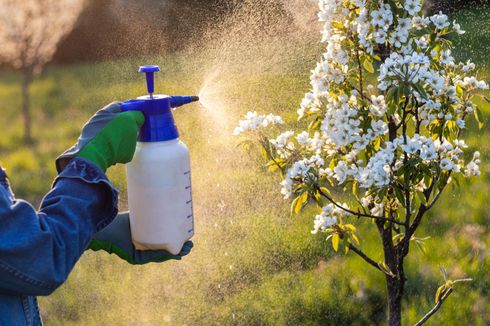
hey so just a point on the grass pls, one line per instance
(253, 264)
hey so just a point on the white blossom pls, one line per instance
(325, 219)
(457, 28)
(446, 164)
(412, 6)
(440, 20)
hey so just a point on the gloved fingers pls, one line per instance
(137, 116)
(153, 256)
(158, 256)
(186, 249)
(110, 248)
(132, 120)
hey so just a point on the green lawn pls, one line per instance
(253, 264)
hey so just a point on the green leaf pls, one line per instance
(355, 188)
(318, 199)
(400, 196)
(420, 89)
(440, 292)
(355, 238)
(382, 265)
(390, 96)
(459, 90)
(398, 237)
(377, 144)
(335, 241)
(444, 272)
(301, 202)
(265, 155)
(368, 65)
(351, 227)
(421, 246)
(315, 124)
(399, 94)
(325, 190)
(478, 117)
(338, 25)
(437, 47)
(421, 197)
(273, 165)
(293, 205)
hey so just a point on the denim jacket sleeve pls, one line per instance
(38, 249)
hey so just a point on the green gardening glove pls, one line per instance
(109, 137)
(116, 239)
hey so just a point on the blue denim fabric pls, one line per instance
(38, 249)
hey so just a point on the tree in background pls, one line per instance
(30, 31)
(133, 28)
(387, 115)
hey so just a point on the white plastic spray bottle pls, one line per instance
(159, 176)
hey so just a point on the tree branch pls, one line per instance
(436, 307)
(358, 214)
(360, 75)
(364, 256)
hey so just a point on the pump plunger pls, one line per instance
(150, 78)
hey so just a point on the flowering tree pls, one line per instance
(386, 117)
(30, 31)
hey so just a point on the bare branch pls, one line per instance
(436, 307)
(358, 214)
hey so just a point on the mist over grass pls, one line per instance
(252, 264)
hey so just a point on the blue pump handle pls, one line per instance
(150, 78)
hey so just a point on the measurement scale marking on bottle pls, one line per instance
(189, 187)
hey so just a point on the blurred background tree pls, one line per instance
(136, 28)
(30, 31)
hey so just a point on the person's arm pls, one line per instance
(39, 249)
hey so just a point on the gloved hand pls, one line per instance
(116, 239)
(109, 137)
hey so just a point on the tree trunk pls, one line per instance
(26, 105)
(395, 294)
(396, 281)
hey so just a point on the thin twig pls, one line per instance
(364, 256)
(436, 307)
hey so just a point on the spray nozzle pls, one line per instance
(177, 101)
(150, 78)
(159, 123)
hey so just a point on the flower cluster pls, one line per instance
(329, 216)
(254, 121)
(301, 170)
(365, 136)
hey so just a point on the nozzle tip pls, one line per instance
(195, 98)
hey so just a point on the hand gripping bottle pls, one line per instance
(159, 176)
